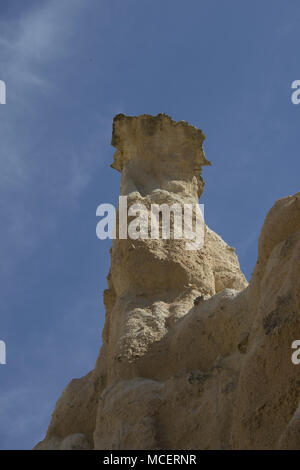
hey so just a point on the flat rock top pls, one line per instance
(158, 131)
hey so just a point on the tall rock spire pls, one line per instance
(157, 289)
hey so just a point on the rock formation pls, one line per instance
(175, 373)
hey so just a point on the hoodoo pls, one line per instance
(192, 357)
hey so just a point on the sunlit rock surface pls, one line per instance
(175, 373)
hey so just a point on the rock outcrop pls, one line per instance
(192, 357)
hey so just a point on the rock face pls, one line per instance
(175, 373)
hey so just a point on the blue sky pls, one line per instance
(69, 67)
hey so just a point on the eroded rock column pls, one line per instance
(154, 282)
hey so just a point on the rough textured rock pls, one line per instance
(175, 373)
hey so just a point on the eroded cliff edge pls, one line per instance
(172, 374)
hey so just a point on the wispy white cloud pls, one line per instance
(36, 37)
(39, 38)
